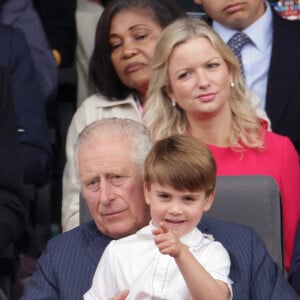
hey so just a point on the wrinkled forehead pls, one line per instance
(105, 152)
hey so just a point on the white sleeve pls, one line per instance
(217, 263)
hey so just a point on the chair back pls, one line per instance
(254, 201)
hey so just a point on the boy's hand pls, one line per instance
(167, 241)
(121, 296)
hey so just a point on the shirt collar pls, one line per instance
(263, 25)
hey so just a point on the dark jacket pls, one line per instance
(29, 106)
(13, 205)
(283, 90)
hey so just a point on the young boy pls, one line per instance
(180, 177)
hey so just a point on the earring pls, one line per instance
(232, 84)
(173, 103)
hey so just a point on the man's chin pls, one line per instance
(120, 230)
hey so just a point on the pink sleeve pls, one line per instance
(290, 194)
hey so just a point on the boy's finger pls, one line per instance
(163, 227)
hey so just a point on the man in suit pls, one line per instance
(110, 157)
(13, 203)
(270, 59)
(29, 106)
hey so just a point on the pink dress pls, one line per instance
(280, 160)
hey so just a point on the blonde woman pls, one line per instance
(197, 89)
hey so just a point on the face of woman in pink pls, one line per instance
(199, 79)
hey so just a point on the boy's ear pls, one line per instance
(209, 201)
(146, 193)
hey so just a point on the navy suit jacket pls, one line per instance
(65, 269)
(283, 90)
(29, 106)
(294, 273)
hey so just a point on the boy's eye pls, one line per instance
(164, 196)
(189, 199)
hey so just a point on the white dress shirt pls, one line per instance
(135, 263)
(256, 56)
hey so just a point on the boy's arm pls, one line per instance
(200, 283)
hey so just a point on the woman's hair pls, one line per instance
(163, 120)
(102, 73)
(181, 162)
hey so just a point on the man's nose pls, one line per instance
(106, 194)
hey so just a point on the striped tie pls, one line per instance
(236, 43)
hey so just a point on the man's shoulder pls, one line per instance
(291, 28)
(209, 223)
(231, 235)
(80, 236)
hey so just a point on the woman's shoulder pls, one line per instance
(275, 139)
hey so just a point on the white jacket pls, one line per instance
(94, 108)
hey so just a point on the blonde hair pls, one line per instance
(163, 120)
(181, 162)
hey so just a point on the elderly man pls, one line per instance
(110, 157)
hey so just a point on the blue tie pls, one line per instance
(236, 43)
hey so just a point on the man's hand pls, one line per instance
(121, 296)
(167, 241)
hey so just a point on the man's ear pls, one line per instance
(209, 201)
(147, 193)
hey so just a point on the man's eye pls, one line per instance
(91, 184)
(116, 179)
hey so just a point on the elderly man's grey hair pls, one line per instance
(135, 133)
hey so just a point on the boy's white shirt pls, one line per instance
(135, 263)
